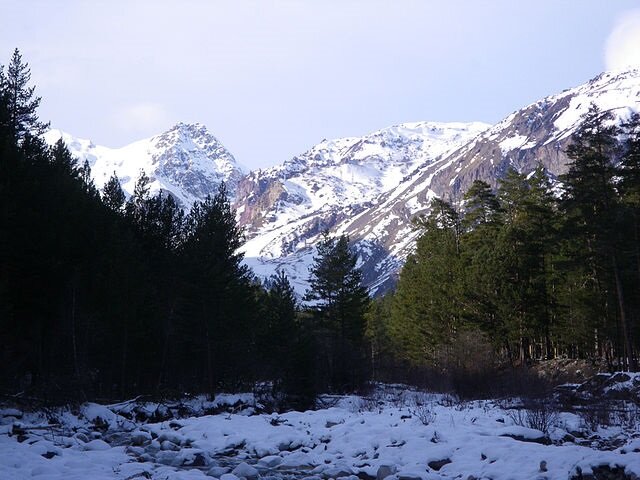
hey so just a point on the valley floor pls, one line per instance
(399, 433)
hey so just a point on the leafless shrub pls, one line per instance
(370, 404)
(449, 400)
(607, 414)
(424, 413)
(422, 409)
(539, 414)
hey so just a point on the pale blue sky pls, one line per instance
(272, 78)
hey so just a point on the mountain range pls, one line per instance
(368, 187)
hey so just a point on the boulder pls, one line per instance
(384, 471)
(438, 464)
(229, 476)
(98, 445)
(247, 471)
(270, 461)
(217, 471)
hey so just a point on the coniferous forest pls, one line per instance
(103, 296)
(538, 269)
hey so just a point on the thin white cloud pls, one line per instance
(623, 45)
(144, 118)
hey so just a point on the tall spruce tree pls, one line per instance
(593, 214)
(524, 246)
(218, 293)
(340, 301)
(112, 195)
(21, 118)
(426, 311)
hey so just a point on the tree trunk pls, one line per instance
(624, 325)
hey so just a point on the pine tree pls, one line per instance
(341, 302)
(481, 205)
(63, 161)
(524, 246)
(426, 311)
(21, 103)
(629, 173)
(220, 299)
(593, 213)
(136, 207)
(112, 195)
(483, 271)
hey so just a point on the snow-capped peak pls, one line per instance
(187, 161)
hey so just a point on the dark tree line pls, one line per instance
(103, 296)
(529, 272)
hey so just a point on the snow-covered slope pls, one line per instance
(186, 160)
(537, 134)
(380, 223)
(285, 208)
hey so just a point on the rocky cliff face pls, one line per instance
(285, 208)
(343, 173)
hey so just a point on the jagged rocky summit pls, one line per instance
(186, 161)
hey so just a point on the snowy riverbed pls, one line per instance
(406, 435)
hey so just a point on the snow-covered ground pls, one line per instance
(403, 435)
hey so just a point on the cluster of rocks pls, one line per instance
(620, 386)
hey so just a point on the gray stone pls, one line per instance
(384, 471)
(140, 438)
(82, 437)
(270, 461)
(217, 471)
(408, 477)
(229, 476)
(438, 464)
(247, 471)
(167, 445)
(199, 459)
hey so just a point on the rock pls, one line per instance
(337, 472)
(167, 445)
(384, 471)
(168, 457)
(270, 461)
(154, 447)
(365, 476)
(229, 476)
(171, 437)
(409, 477)
(11, 412)
(217, 471)
(96, 445)
(601, 472)
(438, 464)
(199, 460)
(135, 451)
(140, 438)
(247, 471)
(82, 437)
(543, 466)
(284, 446)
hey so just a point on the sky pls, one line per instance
(272, 78)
